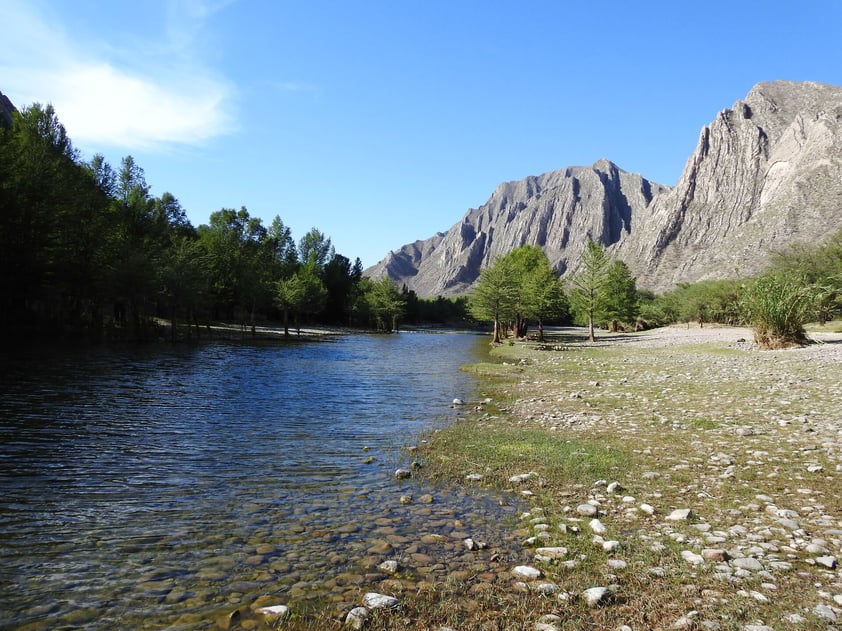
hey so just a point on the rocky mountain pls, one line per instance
(765, 173)
(6, 110)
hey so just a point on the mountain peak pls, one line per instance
(765, 173)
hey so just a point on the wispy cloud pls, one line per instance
(101, 98)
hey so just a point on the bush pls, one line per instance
(777, 305)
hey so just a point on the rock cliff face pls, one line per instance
(6, 110)
(765, 173)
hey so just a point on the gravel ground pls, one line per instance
(747, 442)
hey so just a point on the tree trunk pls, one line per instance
(591, 336)
(495, 336)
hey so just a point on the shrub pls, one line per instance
(777, 305)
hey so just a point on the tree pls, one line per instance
(588, 293)
(495, 297)
(285, 253)
(620, 295)
(542, 295)
(820, 266)
(289, 294)
(524, 262)
(315, 248)
(340, 279)
(386, 304)
(302, 294)
(183, 277)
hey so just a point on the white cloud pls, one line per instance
(160, 101)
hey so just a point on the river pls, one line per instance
(161, 487)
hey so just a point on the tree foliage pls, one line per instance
(621, 300)
(519, 287)
(588, 294)
(86, 247)
(385, 303)
(495, 297)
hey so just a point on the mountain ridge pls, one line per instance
(764, 173)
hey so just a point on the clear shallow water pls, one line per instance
(156, 487)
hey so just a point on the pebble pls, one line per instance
(825, 612)
(274, 612)
(587, 510)
(522, 477)
(827, 561)
(747, 563)
(680, 514)
(527, 572)
(692, 558)
(598, 527)
(373, 600)
(356, 618)
(596, 596)
(552, 553)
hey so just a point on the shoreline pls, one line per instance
(712, 468)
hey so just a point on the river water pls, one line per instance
(162, 487)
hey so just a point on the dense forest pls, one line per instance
(87, 250)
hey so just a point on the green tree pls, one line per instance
(315, 247)
(588, 294)
(543, 297)
(340, 279)
(818, 265)
(386, 304)
(183, 278)
(620, 296)
(495, 296)
(302, 294)
(284, 252)
(289, 294)
(524, 262)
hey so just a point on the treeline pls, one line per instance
(86, 248)
(803, 284)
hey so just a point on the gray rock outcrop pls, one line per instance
(7, 108)
(765, 173)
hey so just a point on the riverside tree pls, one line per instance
(518, 287)
(495, 296)
(385, 303)
(588, 294)
(620, 296)
(603, 291)
(541, 292)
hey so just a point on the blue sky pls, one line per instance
(382, 122)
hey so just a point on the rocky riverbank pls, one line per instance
(713, 500)
(675, 479)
